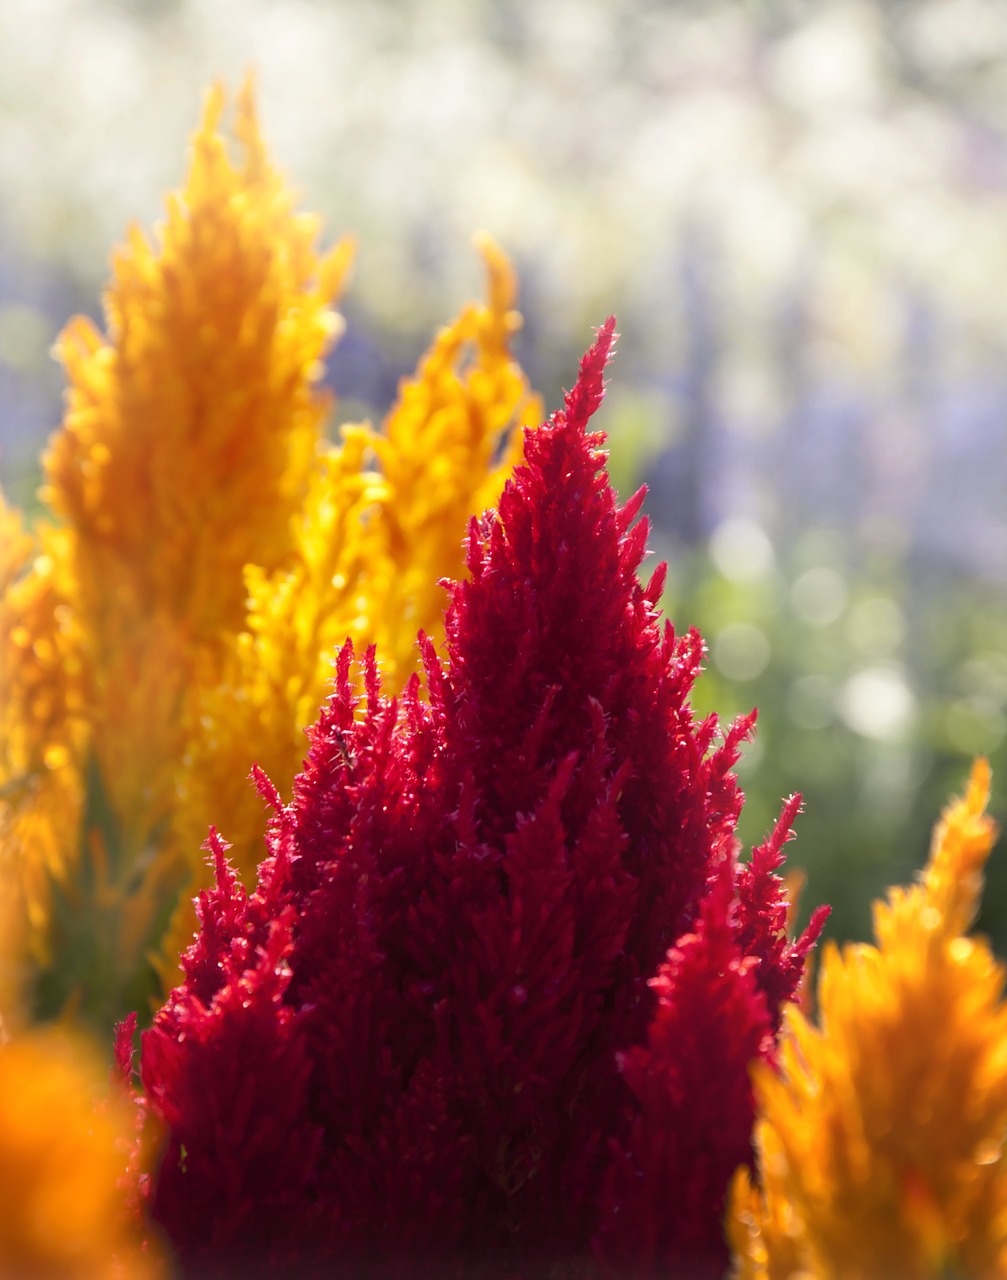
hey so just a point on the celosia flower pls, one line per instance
(64, 1148)
(427, 1040)
(186, 449)
(188, 441)
(881, 1140)
(42, 730)
(369, 553)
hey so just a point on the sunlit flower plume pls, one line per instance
(881, 1140)
(383, 522)
(494, 996)
(189, 436)
(188, 441)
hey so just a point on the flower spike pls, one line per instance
(473, 1015)
(881, 1141)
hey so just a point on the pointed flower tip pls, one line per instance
(965, 826)
(214, 842)
(213, 108)
(792, 807)
(815, 925)
(980, 780)
(216, 846)
(246, 94)
(607, 336)
(494, 258)
(953, 879)
(264, 785)
(589, 389)
(600, 352)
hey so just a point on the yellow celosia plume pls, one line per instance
(880, 1141)
(43, 732)
(438, 454)
(189, 436)
(370, 549)
(64, 1149)
(187, 448)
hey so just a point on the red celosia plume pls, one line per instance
(491, 1006)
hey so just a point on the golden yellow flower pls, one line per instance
(370, 549)
(64, 1149)
(188, 440)
(43, 733)
(187, 448)
(439, 453)
(880, 1142)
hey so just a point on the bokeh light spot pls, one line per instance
(819, 596)
(878, 703)
(741, 651)
(741, 550)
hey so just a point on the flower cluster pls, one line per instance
(501, 998)
(369, 550)
(491, 1005)
(207, 551)
(41, 729)
(881, 1140)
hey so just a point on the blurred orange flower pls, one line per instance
(64, 1149)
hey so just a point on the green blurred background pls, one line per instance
(797, 212)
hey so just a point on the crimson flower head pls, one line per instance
(491, 1006)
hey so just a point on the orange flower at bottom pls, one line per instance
(64, 1149)
(881, 1139)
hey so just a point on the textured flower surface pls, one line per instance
(881, 1140)
(196, 411)
(42, 730)
(370, 548)
(501, 975)
(187, 443)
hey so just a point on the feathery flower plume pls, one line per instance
(501, 948)
(370, 549)
(187, 445)
(42, 729)
(188, 439)
(881, 1139)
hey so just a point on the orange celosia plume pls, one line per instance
(188, 440)
(881, 1140)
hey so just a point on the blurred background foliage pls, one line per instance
(796, 211)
